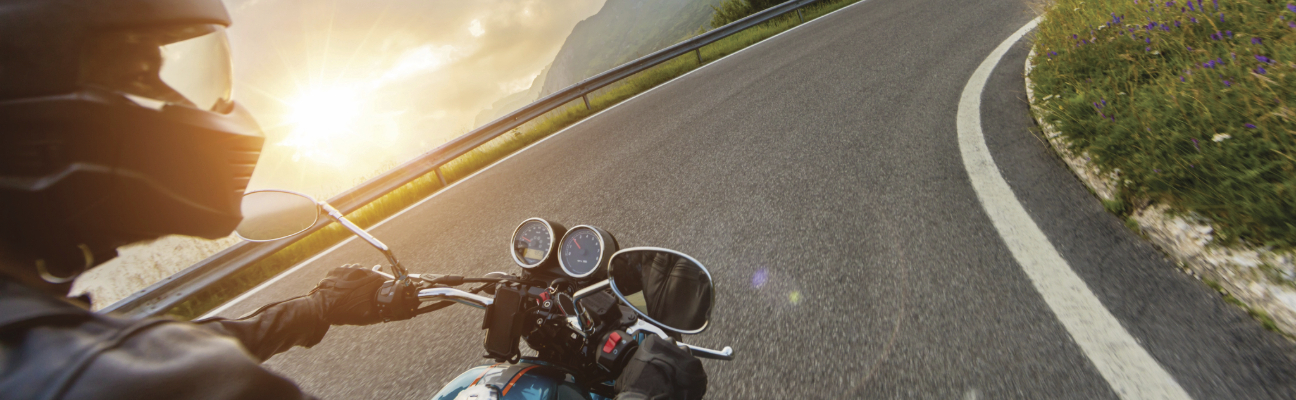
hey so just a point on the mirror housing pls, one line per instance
(276, 214)
(668, 288)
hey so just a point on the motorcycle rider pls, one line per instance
(117, 125)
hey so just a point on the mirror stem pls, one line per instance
(397, 270)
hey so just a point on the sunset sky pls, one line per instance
(346, 88)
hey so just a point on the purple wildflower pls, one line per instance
(1230, 33)
(1264, 59)
(1176, 23)
(1291, 25)
(1261, 70)
(1165, 28)
(1189, 48)
(1190, 7)
(1195, 144)
(1250, 126)
(1181, 78)
(1227, 83)
(1104, 102)
(1147, 49)
(1154, 169)
(1194, 19)
(1256, 40)
(1291, 7)
(1199, 5)
(1054, 53)
(1216, 2)
(1221, 17)
(1148, 40)
(1170, 4)
(1234, 55)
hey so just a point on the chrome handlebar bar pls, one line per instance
(455, 295)
(462, 297)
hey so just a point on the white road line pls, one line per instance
(1127, 367)
(302, 264)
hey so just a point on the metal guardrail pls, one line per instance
(161, 296)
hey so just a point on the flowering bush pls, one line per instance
(1190, 103)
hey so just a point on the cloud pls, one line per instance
(423, 59)
(475, 28)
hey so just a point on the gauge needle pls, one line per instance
(524, 238)
(577, 244)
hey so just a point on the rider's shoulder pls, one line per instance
(53, 346)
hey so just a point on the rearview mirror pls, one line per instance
(666, 287)
(275, 214)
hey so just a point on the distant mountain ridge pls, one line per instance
(621, 31)
(513, 101)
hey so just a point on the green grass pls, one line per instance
(1192, 107)
(484, 155)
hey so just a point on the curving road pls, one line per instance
(818, 175)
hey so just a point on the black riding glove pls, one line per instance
(346, 295)
(658, 371)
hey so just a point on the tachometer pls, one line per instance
(533, 242)
(585, 250)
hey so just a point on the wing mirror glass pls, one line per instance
(273, 214)
(669, 288)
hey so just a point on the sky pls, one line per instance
(345, 89)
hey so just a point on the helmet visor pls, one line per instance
(185, 65)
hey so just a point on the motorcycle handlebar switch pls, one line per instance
(615, 350)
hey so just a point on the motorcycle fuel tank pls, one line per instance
(521, 381)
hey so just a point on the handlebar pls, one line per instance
(455, 295)
(478, 301)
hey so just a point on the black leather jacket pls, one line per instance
(53, 349)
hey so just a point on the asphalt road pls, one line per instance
(827, 158)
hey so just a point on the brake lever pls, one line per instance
(727, 354)
(702, 352)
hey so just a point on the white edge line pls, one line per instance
(1126, 366)
(299, 266)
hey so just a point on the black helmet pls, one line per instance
(116, 125)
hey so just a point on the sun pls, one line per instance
(324, 114)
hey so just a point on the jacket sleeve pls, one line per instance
(276, 328)
(179, 361)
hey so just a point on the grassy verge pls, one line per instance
(488, 153)
(1187, 103)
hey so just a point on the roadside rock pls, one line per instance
(1262, 279)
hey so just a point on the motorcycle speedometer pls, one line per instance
(585, 251)
(534, 242)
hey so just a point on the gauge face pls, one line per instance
(581, 251)
(532, 243)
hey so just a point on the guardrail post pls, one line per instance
(799, 16)
(586, 98)
(440, 177)
(698, 51)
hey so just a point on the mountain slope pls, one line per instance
(621, 31)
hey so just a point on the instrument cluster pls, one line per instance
(581, 252)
